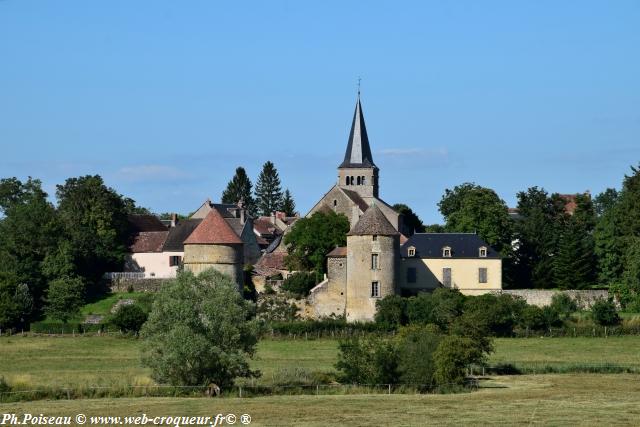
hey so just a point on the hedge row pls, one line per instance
(67, 328)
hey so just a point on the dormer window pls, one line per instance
(446, 252)
(483, 252)
(411, 251)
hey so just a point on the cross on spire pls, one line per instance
(359, 79)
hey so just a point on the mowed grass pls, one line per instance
(569, 399)
(109, 360)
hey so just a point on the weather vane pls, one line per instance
(359, 85)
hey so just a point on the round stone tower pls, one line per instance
(372, 264)
(214, 244)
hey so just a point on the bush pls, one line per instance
(300, 283)
(532, 317)
(452, 357)
(129, 318)
(416, 347)
(603, 313)
(367, 360)
(199, 332)
(390, 311)
(564, 305)
(65, 297)
(497, 314)
(274, 307)
(441, 307)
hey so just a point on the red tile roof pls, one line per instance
(148, 241)
(338, 252)
(213, 230)
(264, 226)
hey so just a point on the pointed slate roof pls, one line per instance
(373, 222)
(213, 230)
(358, 154)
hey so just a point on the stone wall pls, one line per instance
(542, 297)
(136, 285)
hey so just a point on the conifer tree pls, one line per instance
(268, 190)
(239, 188)
(288, 205)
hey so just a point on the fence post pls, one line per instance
(317, 389)
(605, 332)
(389, 388)
(240, 390)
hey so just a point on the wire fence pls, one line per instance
(237, 391)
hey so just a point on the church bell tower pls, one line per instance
(357, 172)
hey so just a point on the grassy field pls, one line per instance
(585, 399)
(107, 360)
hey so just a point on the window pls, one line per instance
(446, 277)
(411, 275)
(411, 251)
(374, 237)
(358, 180)
(482, 275)
(483, 251)
(350, 180)
(374, 262)
(174, 260)
(335, 203)
(375, 290)
(446, 252)
(364, 181)
(346, 180)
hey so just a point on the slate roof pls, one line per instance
(148, 241)
(213, 230)
(180, 233)
(339, 252)
(463, 245)
(142, 223)
(373, 222)
(358, 154)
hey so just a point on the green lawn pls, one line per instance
(109, 360)
(103, 305)
(562, 400)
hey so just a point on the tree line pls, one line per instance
(266, 198)
(52, 257)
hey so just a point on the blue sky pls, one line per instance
(165, 99)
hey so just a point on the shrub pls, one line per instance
(564, 305)
(129, 318)
(367, 360)
(451, 358)
(199, 332)
(390, 311)
(4, 386)
(274, 307)
(603, 313)
(441, 307)
(416, 346)
(532, 317)
(300, 283)
(497, 314)
(551, 317)
(65, 297)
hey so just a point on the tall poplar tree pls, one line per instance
(268, 190)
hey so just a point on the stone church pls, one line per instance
(378, 260)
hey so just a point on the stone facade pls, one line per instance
(226, 258)
(363, 276)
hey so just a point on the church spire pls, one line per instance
(358, 154)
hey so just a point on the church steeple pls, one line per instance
(358, 154)
(357, 172)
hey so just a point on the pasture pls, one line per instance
(570, 399)
(113, 361)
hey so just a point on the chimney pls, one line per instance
(273, 218)
(174, 220)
